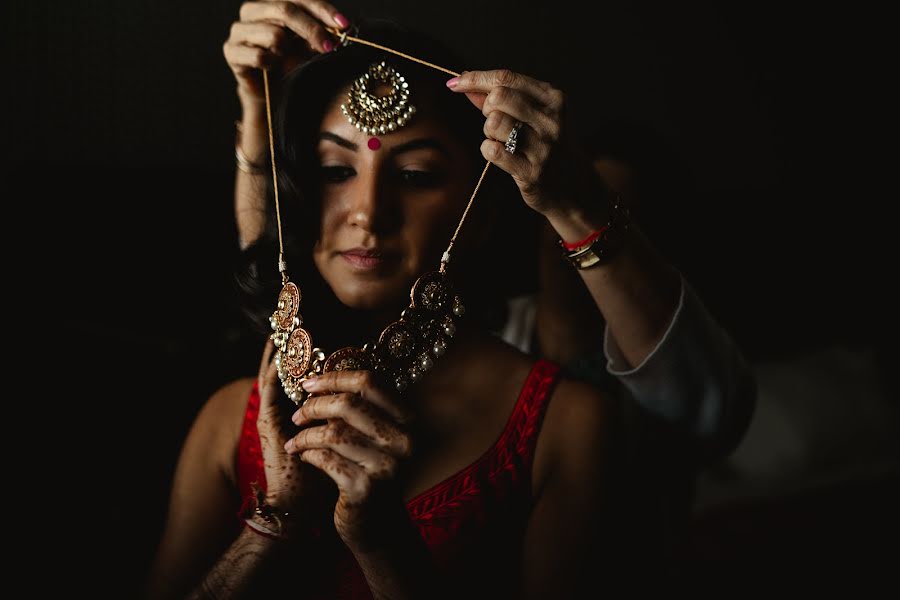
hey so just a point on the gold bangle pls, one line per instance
(602, 249)
(264, 531)
(265, 518)
(244, 163)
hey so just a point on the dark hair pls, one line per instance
(306, 93)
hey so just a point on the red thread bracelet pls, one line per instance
(586, 241)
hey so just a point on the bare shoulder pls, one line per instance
(201, 515)
(219, 422)
(502, 366)
(575, 406)
(494, 370)
(576, 434)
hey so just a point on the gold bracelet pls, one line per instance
(263, 530)
(265, 518)
(606, 245)
(244, 163)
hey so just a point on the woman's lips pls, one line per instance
(365, 260)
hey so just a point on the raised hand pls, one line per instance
(551, 172)
(284, 475)
(277, 35)
(357, 438)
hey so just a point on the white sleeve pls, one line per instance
(520, 322)
(695, 378)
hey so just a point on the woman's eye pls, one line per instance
(337, 174)
(421, 178)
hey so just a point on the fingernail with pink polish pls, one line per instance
(453, 83)
(341, 20)
(328, 45)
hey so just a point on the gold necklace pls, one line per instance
(407, 347)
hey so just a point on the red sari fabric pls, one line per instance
(473, 522)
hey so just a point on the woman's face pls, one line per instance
(388, 208)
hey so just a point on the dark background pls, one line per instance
(122, 126)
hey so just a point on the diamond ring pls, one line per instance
(513, 138)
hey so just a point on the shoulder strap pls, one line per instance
(250, 466)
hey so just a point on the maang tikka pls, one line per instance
(408, 347)
(373, 114)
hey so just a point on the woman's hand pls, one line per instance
(360, 445)
(553, 174)
(283, 472)
(280, 35)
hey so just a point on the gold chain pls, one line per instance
(282, 267)
(446, 258)
(345, 36)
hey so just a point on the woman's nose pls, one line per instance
(371, 208)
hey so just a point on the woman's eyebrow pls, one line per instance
(420, 143)
(332, 137)
(405, 147)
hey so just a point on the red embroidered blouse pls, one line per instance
(473, 522)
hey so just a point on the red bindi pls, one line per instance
(374, 143)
